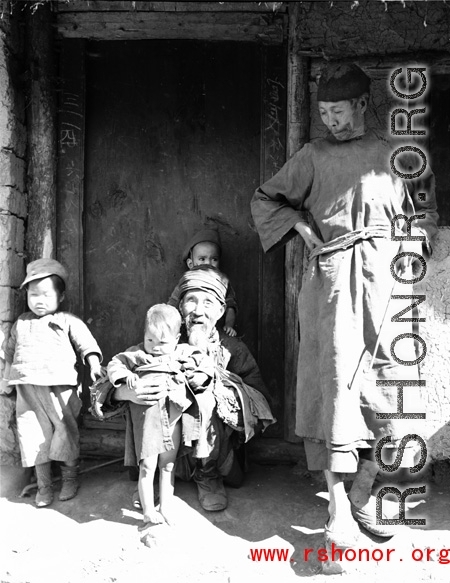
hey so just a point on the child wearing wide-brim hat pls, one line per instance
(40, 364)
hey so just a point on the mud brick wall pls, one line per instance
(354, 29)
(436, 332)
(13, 210)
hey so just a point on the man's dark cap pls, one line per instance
(340, 82)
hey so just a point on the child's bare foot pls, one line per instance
(154, 517)
(151, 533)
(169, 513)
(146, 534)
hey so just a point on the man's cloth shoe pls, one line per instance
(211, 491)
(342, 539)
(367, 518)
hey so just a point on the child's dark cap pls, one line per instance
(44, 268)
(209, 235)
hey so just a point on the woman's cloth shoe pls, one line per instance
(44, 497)
(367, 518)
(343, 539)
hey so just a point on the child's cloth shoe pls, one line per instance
(70, 482)
(44, 497)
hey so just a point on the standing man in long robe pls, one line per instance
(345, 183)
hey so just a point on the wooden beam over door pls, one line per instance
(208, 26)
(125, 5)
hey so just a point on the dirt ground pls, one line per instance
(94, 537)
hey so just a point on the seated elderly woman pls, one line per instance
(229, 411)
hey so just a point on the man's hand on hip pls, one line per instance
(307, 234)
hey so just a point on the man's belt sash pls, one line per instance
(349, 239)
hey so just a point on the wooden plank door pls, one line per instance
(173, 144)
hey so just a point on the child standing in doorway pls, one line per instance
(40, 364)
(155, 430)
(205, 248)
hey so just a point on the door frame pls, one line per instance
(280, 138)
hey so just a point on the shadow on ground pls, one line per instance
(279, 508)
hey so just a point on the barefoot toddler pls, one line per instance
(156, 429)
